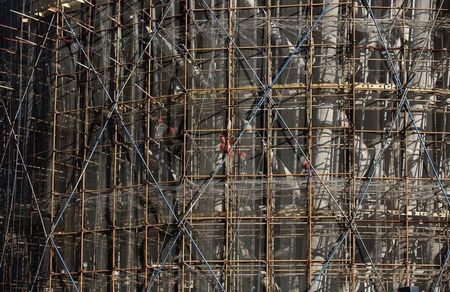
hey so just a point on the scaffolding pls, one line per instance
(205, 145)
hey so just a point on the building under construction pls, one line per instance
(225, 145)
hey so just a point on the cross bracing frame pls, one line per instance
(230, 146)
